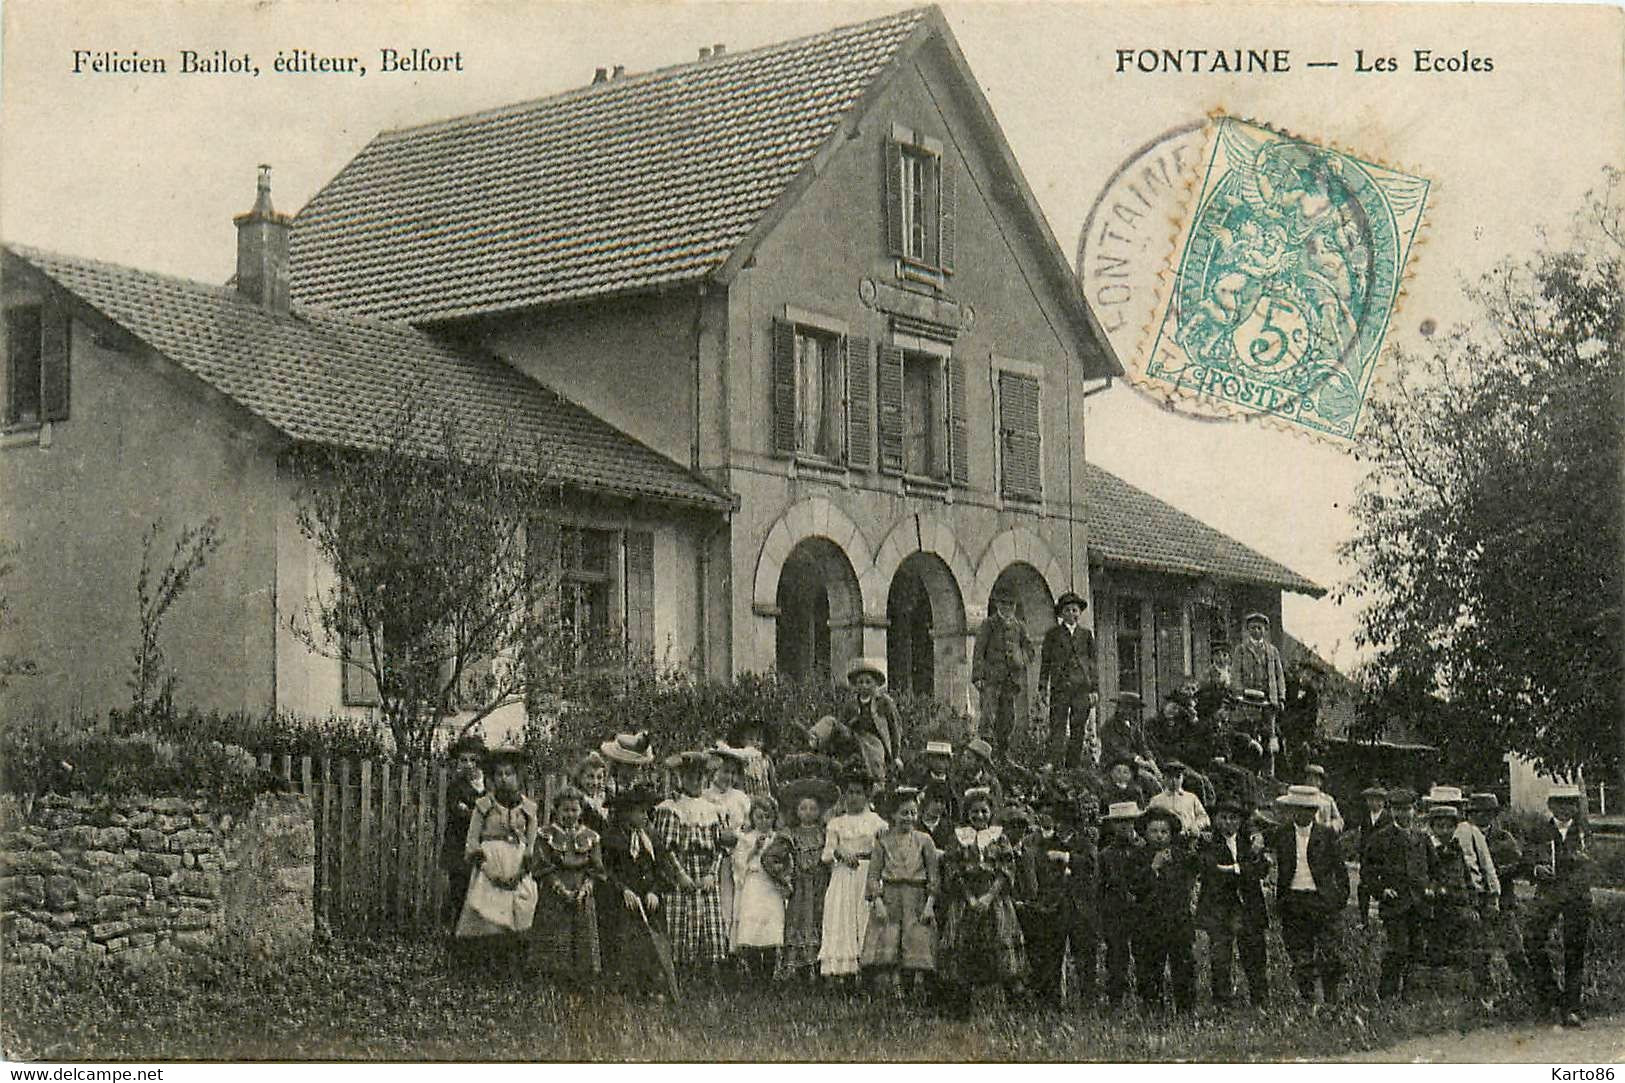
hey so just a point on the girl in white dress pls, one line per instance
(764, 875)
(848, 841)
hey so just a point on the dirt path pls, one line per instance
(1600, 1041)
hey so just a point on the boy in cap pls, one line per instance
(1230, 904)
(869, 725)
(1375, 819)
(935, 780)
(1451, 896)
(1560, 868)
(1396, 875)
(1122, 785)
(1123, 737)
(1004, 652)
(1328, 813)
(1066, 668)
(980, 773)
(1193, 818)
(1062, 912)
(1119, 860)
(1311, 890)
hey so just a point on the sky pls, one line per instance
(148, 170)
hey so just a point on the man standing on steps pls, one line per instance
(1067, 669)
(1004, 651)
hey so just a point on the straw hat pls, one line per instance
(1123, 810)
(627, 750)
(939, 748)
(1445, 795)
(875, 667)
(1299, 797)
(980, 748)
(1564, 793)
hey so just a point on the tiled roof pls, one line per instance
(329, 378)
(1129, 526)
(635, 183)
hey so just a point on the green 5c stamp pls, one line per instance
(1285, 280)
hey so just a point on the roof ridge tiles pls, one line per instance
(727, 60)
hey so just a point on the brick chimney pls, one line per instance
(262, 250)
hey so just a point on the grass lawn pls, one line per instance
(392, 1000)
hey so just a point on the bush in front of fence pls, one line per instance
(39, 757)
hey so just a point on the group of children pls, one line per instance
(949, 888)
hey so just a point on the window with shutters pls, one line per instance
(920, 199)
(36, 356)
(605, 589)
(921, 415)
(1020, 443)
(823, 391)
(925, 431)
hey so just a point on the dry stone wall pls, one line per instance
(131, 878)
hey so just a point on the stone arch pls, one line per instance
(814, 517)
(817, 611)
(1018, 545)
(916, 534)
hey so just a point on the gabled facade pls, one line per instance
(813, 271)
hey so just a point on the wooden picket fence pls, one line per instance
(379, 826)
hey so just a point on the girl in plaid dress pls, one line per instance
(689, 833)
(569, 864)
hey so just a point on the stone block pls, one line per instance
(117, 944)
(191, 841)
(107, 861)
(198, 901)
(170, 824)
(190, 917)
(81, 837)
(227, 821)
(196, 882)
(61, 893)
(30, 863)
(189, 860)
(31, 954)
(111, 906)
(107, 930)
(158, 864)
(112, 838)
(22, 891)
(161, 888)
(169, 804)
(27, 930)
(61, 920)
(118, 818)
(143, 940)
(132, 883)
(151, 839)
(56, 800)
(141, 818)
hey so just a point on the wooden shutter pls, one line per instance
(890, 420)
(53, 363)
(958, 429)
(640, 595)
(947, 199)
(893, 167)
(784, 387)
(1019, 431)
(860, 403)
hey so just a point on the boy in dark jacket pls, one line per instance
(1119, 860)
(1230, 903)
(1396, 875)
(1375, 819)
(1164, 930)
(1062, 869)
(1560, 868)
(1311, 892)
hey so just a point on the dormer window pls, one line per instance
(920, 201)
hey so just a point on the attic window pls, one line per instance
(36, 353)
(920, 204)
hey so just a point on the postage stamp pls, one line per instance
(1284, 281)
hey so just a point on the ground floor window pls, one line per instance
(1130, 645)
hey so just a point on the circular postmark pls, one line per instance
(1243, 272)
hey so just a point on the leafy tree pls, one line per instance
(152, 683)
(434, 598)
(1488, 539)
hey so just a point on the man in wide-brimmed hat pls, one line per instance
(869, 726)
(1230, 902)
(1004, 653)
(1312, 888)
(1560, 866)
(1067, 669)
